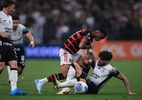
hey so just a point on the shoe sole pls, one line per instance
(36, 87)
(65, 92)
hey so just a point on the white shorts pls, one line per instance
(67, 58)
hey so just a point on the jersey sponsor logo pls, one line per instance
(8, 30)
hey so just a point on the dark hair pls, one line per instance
(102, 30)
(106, 55)
(15, 18)
(7, 3)
(91, 55)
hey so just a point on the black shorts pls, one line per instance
(7, 53)
(92, 88)
(20, 54)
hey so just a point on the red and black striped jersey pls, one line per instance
(72, 43)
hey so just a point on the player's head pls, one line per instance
(104, 58)
(99, 33)
(88, 58)
(8, 6)
(15, 22)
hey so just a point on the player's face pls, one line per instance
(11, 9)
(102, 62)
(87, 60)
(15, 24)
(98, 36)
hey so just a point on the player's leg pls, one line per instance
(12, 61)
(2, 59)
(21, 58)
(40, 82)
(65, 60)
(71, 74)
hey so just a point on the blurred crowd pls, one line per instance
(52, 21)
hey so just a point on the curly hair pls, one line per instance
(106, 55)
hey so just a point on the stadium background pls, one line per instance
(52, 21)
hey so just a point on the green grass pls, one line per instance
(35, 69)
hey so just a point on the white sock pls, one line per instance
(13, 77)
(68, 83)
(8, 70)
(43, 81)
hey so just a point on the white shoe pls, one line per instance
(38, 86)
(65, 91)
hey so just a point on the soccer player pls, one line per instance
(17, 35)
(102, 72)
(84, 62)
(7, 52)
(82, 39)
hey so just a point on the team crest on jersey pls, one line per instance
(103, 70)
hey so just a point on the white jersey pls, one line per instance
(17, 35)
(5, 23)
(100, 75)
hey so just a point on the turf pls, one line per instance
(35, 69)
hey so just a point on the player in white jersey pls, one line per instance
(102, 72)
(7, 52)
(17, 35)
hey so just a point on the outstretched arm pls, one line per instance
(126, 83)
(30, 37)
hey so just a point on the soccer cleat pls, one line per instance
(17, 92)
(38, 86)
(65, 91)
(55, 82)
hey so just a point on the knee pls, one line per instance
(13, 64)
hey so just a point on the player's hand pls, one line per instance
(32, 44)
(6, 35)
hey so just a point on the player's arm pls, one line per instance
(5, 35)
(30, 37)
(126, 83)
(84, 44)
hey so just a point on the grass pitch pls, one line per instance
(36, 69)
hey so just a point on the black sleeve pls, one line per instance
(25, 31)
(114, 72)
(93, 64)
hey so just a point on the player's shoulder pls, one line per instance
(21, 26)
(109, 66)
(85, 30)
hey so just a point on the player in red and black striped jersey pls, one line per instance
(68, 53)
(82, 39)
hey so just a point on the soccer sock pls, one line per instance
(68, 83)
(43, 81)
(13, 78)
(8, 70)
(59, 76)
